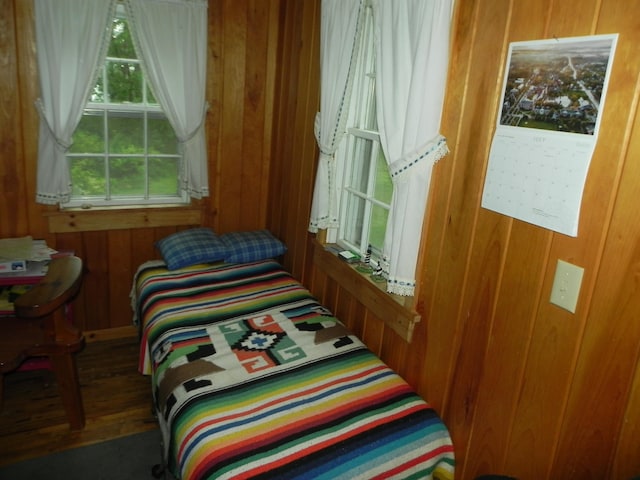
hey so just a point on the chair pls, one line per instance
(41, 328)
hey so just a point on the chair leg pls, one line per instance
(66, 372)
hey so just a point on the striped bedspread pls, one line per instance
(253, 378)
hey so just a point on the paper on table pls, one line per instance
(16, 248)
(40, 251)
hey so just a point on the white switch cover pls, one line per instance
(566, 286)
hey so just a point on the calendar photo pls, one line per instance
(557, 84)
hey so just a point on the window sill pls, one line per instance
(110, 218)
(395, 311)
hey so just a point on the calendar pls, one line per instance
(547, 130)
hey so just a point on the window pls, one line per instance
(367, 188)
(124, 150)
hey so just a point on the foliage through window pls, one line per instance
(367, 187)
(124, 149)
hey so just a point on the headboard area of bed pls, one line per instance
(253, 378)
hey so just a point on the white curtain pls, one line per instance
(412, 50)
(339, 28)
(171, 41)
(71, 41)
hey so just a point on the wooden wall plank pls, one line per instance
(255, 165)
(358, 316)
(232, 127)
(12, 221)
(373, 332)
(394, 350)
(29, 90)
(214, 94)
(625, 460)
(344, 308)
(96, 280)
(300, 174)
(120, 267)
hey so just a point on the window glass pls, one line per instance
(162, 176)
(88, 174)
(360, 163)
(125, 132)
(354, 221)
(127, 177)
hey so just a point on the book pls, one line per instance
(13, 266)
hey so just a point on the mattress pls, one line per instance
(253, 378)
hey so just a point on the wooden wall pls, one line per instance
(242, 46)
(527, 388)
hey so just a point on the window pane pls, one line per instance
(96, 95)
(127, 177)
(87, 176)
(163, 176)
(384, 186)
(126, 133)
(89, 136)
(125, 82)
(121, 45)
(370, 120)
(162, 138)
(379, 217)
(360, 167)
(355, 220)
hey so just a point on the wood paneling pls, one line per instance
(526, 388)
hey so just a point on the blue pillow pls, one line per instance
(190, 247)
(243, 247)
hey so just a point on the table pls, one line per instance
(41, 328)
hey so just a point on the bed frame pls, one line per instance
(253, 378)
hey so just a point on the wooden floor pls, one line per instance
(117, 402)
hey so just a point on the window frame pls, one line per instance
(362, 127)
(143, 110)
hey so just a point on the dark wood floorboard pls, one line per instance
(117, 402)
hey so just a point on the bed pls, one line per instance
(253, 378)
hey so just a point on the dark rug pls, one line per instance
(125, 458)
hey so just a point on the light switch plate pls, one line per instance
(566, 286)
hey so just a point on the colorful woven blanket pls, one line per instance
(253, 378)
